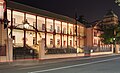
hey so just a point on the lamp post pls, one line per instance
(25, 25)
(114, 45)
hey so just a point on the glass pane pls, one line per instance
(57, 41)
(49, 23)
(70, 29)
(18, 18)
(31, 20)
(49, 40)
(58, 26)
(30, 38)
(64, 41)
(18, 37)
(9, 16)
(41, 23)
(64, 27)
(1, 10)
(40, 36)
(70, 41)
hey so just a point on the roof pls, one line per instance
(40, 12)
(110, 13)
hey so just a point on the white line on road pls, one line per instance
(53, 69)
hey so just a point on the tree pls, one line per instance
(110, 34)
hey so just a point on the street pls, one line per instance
(109, 64)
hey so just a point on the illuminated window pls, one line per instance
(18, 18)
(41, 23)
(64, 30)
(58, 29)
(64, 43)
(58, 41)
(70, 42)
(51, 28)
(31, 20)
(43, 26)
(51, 41)
(70, 31)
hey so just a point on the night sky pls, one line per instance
(91, 9)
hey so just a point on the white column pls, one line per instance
(41, 49)
(117, 49)
(9, 47)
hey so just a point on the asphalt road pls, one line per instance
(109, 64)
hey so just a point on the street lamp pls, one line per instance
(114, 44)
(25, 25)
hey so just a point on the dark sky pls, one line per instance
(91, 9)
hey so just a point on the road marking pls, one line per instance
(64, 61)
(53, 69)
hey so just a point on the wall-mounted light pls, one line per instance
(26, 24)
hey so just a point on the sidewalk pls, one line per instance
(8, 65)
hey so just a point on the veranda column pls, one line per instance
(41, 48)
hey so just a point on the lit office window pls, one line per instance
(40, 36)
(70, 29)
(9, 16)
(58, 26)
(70, 41)
(31, 20)
(30, 36)
(57, 41)
(64, 41)
(18, 18)
(82, 31)
(49, 24)
(49, 40)
(18, 37)
(1, 10)
(41, 23)
(64, 27)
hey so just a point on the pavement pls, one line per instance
(65, 65)
(5, 65)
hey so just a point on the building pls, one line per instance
(56, 30)
(29, 27)
(93, 33)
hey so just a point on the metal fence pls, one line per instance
(24, 53)
(60, 50)
(101, 49)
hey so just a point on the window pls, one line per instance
(18, 18)
(34, 24)
(51, 28)
(95, 42)
(70, 42)
(64, 43)
(34, 40)
(58, 41)
(64, 30)
(43, 26)
(58, 29)
(70, 31)
(14, 21)
(95, 33)
(40, 23)
(51, 41)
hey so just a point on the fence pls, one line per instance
(60, 50)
